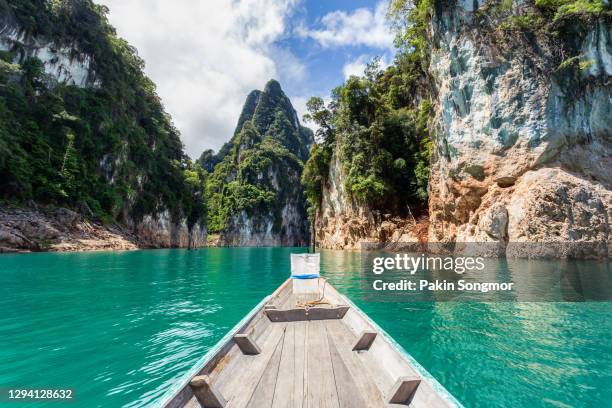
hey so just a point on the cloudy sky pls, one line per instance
(206, 56)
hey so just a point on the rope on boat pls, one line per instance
(320, 301)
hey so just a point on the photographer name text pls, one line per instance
(441, 286)
(411, 264)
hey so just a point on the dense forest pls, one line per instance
(108, 150)
(377, 125)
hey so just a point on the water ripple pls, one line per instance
(121, 328)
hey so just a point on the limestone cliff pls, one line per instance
(254, 191)
(82, 128)
(341, 222)
(522, 126)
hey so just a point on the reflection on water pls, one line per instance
(120, 328)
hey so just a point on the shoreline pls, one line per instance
(50, 229)
(57, 229)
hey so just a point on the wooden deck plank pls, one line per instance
(313, 363)
(362, 374)
(239, 385)
(206, 392)
(284, 393)
(264, 392)
(282, 296)
(246, 344)
(258, 328)
(233, 361)
(287, 302)
(304, 361)
(321, 387)
(193, 403)
(349, 393)
(389, 362)
(301, 352)
(374, 362)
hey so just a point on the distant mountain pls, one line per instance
(254, 192)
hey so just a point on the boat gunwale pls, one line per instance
(175, 389)
(422, 371)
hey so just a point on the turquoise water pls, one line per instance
(119, 328)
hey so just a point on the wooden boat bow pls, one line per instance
(292, 352)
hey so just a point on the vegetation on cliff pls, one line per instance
(257, 172)
(108, 149)
(376, 124)
(557, 28)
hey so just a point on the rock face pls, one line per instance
(161, 232)
(341, 223)
(31, 229)
(522, 143)
(61, 229)
(65, 64)
(255, 195)
(524, 150)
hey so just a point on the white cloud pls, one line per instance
(358, 66)
(362, 26)
(288, 65)
(205, 59)
(355, 67)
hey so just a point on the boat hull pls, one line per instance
(306, 345)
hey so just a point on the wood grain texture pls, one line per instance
(206, 393)
(285, 395)
(321, 391)
(365, 340)
(246, 344)
(328, 356)
(266, 387)
(297, 315)
(349, 394)
(361, 374)
(403, 390)
(245, 376)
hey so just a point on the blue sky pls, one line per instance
(327, 64)
(205, 57)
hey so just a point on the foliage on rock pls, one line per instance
(109, 149)
(257, 172)
(549, 32)
(377, 126)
